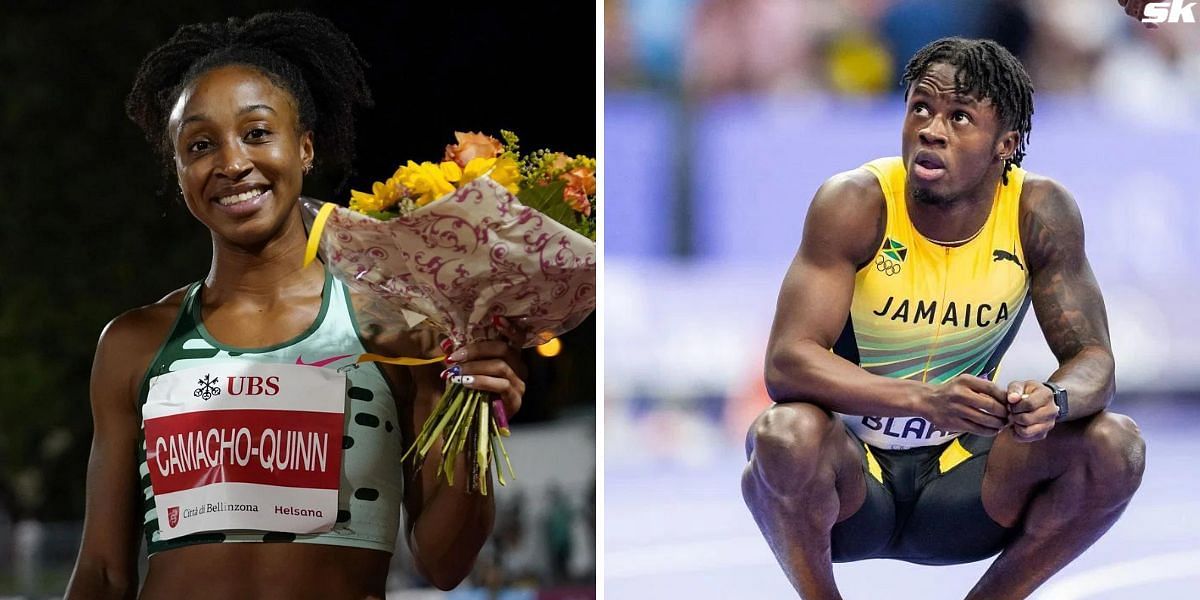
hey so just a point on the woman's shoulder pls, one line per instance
(141, 330)
(126, 347)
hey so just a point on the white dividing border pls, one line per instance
(600, 174)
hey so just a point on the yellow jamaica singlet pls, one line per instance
(929, 312)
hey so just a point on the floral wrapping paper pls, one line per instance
(465, 258)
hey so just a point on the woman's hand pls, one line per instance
(492, 366)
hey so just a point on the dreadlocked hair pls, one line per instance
(304, 54)
(985, 69)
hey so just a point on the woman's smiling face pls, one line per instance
(239, 153)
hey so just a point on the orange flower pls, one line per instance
(472, 145)
(581, 184)
(550, 166)
(582, 177)
(557, 161)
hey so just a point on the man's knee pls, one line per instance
(785, 444)
(1116, 453)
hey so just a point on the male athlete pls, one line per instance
(916, 272)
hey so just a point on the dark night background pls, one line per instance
(87, 232)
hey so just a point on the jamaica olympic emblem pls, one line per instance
(208, 387)
(890, 256)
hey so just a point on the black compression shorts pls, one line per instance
(924, 506)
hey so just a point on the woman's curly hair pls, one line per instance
(304, 54)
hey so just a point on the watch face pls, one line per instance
(1060, 399)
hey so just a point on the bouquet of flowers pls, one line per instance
(485, 240)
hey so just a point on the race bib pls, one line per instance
(245, 446)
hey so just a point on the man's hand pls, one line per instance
(491, 366)
(967, 403)
(1032, 410)
(1136, 8)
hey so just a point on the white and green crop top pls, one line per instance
(371, 488)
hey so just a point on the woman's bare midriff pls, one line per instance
(266, 571)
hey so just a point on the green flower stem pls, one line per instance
(446, 467)
(463, 419)
(434, 416)
(452, 436)
(481, 450)
(500, 442)
(449, 462)
(494, 461)
(433, 435)
(497, 450)
(470, 442)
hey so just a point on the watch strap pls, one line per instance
(1060, 399)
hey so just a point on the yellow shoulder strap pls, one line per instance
(891, 175)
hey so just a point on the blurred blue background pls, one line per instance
(723, 117)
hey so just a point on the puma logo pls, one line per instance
(998, 255)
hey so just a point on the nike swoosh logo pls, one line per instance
(321, 363)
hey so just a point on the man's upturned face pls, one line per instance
(951, 140)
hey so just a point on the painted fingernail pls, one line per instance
(462, 379)
(458, 355)
(452, 371)
(447, 345)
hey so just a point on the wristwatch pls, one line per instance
(1060, 399)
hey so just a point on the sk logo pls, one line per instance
(208, 387)
(1175, 11)
(173, 516)
(890, 256)
(999, 255)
